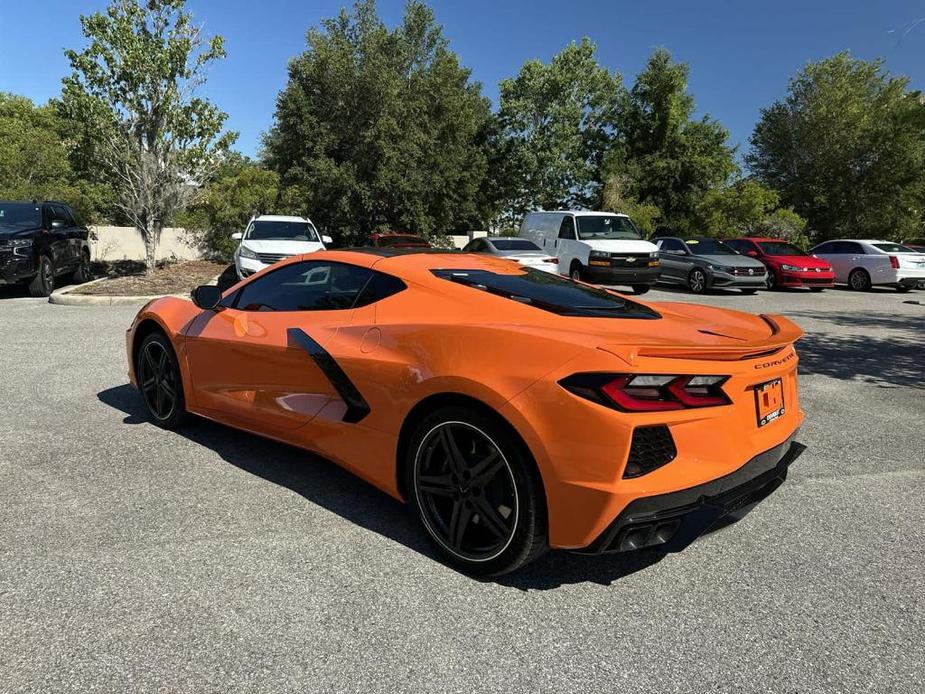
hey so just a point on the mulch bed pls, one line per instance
(128, 278)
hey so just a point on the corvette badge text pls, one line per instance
(776, 362)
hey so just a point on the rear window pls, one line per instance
(550, 292)
(514, 245)
(892, 248)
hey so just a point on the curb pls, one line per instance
(65, 297)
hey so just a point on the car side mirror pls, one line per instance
(207, 297)
(327, 239)
(57, 224)
(237, 236)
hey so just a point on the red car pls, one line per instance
(396, 239)
(788, 266)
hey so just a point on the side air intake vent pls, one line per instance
(652, 447)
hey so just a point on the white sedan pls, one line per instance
(522, 251)
(862, 264)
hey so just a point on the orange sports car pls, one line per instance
(514, 409)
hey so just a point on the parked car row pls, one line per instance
(608, 248)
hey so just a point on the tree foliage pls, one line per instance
(381, 129)
(242, 189)
(35, 159)
(669, 159)
(846, 149)
(554, 124)
(616, 199)
(747, 208)
(132, 90)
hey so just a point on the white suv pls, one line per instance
(270, 238)
(862, 264)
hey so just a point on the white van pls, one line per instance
(600, 247)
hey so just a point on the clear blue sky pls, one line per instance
(741, 53)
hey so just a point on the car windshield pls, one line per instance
(893, 248)
(20, 215)
(780, 248)
(266, 230)
(708, 247)
(550, 293)
(606, 227)
(401, 240)
(514, 245)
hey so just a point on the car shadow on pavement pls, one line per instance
(864, 356)
(329, 486)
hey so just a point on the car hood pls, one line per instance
(16, 232)
(621, 245)
(801, 261)
(731, 260)
(283, 247)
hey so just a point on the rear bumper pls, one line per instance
(617, 275)
(670, 522)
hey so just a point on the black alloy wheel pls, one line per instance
(82, 273)
(43, 284)
(158, 377)
(771, 279)
(475, 494)
(859, 280)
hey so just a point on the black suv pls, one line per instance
(40, 241)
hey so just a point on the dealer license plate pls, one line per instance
(769, 401)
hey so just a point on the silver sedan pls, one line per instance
(520, 250)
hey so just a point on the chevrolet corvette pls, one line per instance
(515, 410)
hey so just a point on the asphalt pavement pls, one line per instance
(208, 560)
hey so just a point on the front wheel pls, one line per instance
(43, 284)
(476, 491)
(697, 281)
(641, 288)
(158, 375)
(576, 273)
(771, 279)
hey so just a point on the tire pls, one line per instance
(859, 280)
(641, 288)
(465, 518)
(749, 291)
(159, 381)
(43, 284)
(772, 279)
(576, 272)
(903, 288)
(82, 273)
(697, 281)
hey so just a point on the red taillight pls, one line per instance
(894, 262)
(649, 392)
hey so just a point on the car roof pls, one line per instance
(758, 238)
(279, 218)
(583, 213)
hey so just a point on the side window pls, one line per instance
(672, 246)
(477, 246)
(854, 248)
(307, 286)
(567, 228)
(57, 217)
(825, 248)
(66, 216)
(379, 287)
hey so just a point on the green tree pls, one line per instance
(381, 128)
(242, 189)
(616, 199)
(746, 207)
(555, 122)
(846, 149)
(34, 159)
(669, 158)
(132, 90)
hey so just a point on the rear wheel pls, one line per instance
(477, 492)
(159, 380)
(859, 280)
(697, 281)
(82, 273)
(43, 284)
(641, 288)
